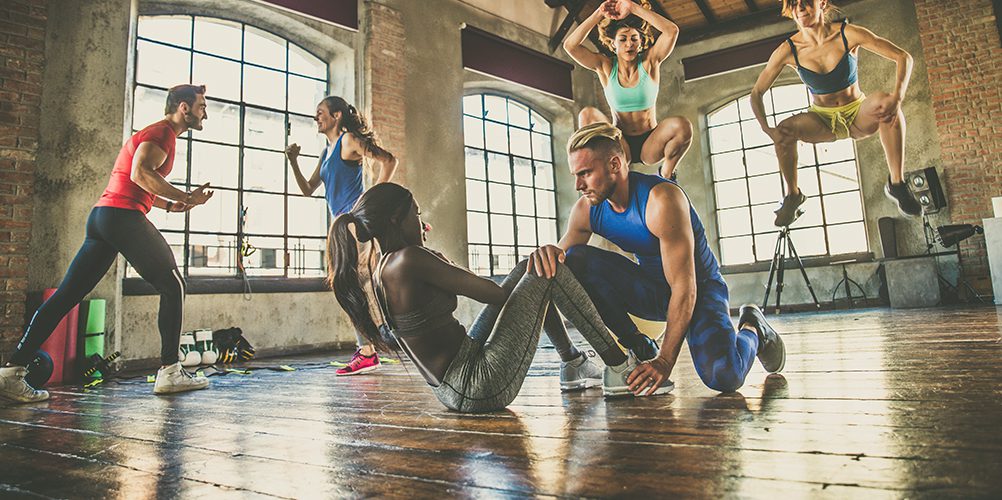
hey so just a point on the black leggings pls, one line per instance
(111, 231)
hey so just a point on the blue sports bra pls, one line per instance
(841, 77)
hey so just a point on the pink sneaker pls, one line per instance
(360, 364)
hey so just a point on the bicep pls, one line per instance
(584, 57)
(664, 46)
(671, 224)
(873, 43)
(578, 226)
(149, 157)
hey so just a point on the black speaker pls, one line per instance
(928, 191)
(888, 238)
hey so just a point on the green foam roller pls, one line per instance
(94, 329)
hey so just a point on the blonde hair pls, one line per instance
(598, 136)
(607, 29)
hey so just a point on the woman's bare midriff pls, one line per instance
(840, 98)
(635, 122)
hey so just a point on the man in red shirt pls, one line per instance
(118, 225)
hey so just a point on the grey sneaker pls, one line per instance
(174, 378)
(580, 373)
(614, 380)
(14, 388)
(790, 210)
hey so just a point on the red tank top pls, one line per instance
(121, 191)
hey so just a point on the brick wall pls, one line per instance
(385, 72)
(22, 45)
(960, 40)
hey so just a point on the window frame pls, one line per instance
(494, 270)
(231, 279)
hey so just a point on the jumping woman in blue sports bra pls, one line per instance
(824, 54)
(631, 78)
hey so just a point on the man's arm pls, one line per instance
(668, 219)
(145, 163)
(544, 259)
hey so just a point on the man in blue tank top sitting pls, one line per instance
(676, 277)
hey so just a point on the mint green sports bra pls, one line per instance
(643, 95)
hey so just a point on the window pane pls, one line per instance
(809, 241)
(526, 231)
(473, 132)
(212, 254)
(265, 87)
(540, 124)
(813, 216)
(545, 204)
(476, 195)
(473, 105)
(265, 171)
(805, 154)
(175, 30)
(497, 137)
(218, 215)
(307, 216)
(220, 77)
(504, 260)
(836, 151)
(736, 250)
(518, 115)
(500, 198)
(763, 217)
(847, 238)
(304, 63)
(265, 214)
(148, 107)
(523, 171)
(179, 172)
(725, 138)
(217, 165)
(303, 131)
(264, 129)
(305, 94)
(476, 228)
(476, 168)
(726, 114)
(845, 207)
(753, 134)
(268, 257)
(731, 194)
(223, 124)
(765, 188)
(166, 221)
(733, 222)
(307, 257)
(839, 177)
(480, 259)
(765, 245)
(498, 168)
(502, 229)
(542, 148)
(727, 166)
(789, 97)
(495, 108)
(520, 142)
(217, 36)
(525, 202)
(762, 160)
(264, 48)
(547, 231)
(544, 175)
(161, 65)
(807, 181)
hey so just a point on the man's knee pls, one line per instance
(723, 380)
(578, 259)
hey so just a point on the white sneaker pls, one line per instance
(173, 378)
(580, 373)
(614, 380)
(14, 388)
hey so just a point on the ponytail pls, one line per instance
(352, 121)
(343, 276)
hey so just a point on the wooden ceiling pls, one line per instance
(696, 18)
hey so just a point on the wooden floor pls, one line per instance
(872, 404)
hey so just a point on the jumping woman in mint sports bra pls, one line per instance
(824, 54)
(631, 80)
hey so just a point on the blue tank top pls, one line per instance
(628, 230)
(841, 77)
(342, 180)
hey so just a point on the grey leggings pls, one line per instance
(494, 358)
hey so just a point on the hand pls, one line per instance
(617, 9)
(888, 109)
(649, 376)
(199, 195)
(544, 261)
(292, 152)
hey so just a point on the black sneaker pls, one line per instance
(902, 197)
(642, 346)
(789, 211)
(771, 351)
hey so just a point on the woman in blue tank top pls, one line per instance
(824, 54)
(350, 140)
(631, 78)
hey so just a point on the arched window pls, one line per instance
(262, 92)
(510, 196)
(748, 186)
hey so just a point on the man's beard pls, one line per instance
(598, 197)
(192, 121)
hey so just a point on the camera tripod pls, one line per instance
(784, 245)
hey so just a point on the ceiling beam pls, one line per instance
(738, 24)
(704, 7)
(573, 9)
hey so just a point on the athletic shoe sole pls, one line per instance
(360, 371)
(624, 391)
(580, 385)
(177, 390)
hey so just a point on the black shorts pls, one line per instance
(636, 143)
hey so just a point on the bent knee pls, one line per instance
(589, 115)
(723, 381)
(171, 284)
(680, 127)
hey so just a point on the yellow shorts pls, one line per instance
(839, 118)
